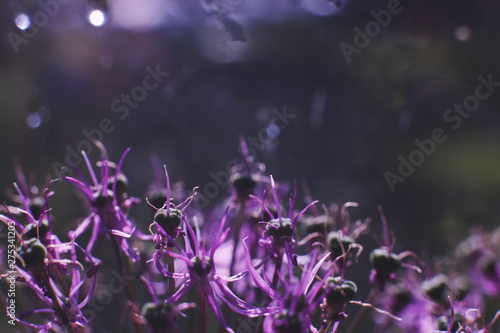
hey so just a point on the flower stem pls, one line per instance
(44, 276)
(203, 313)
(171, 281)
(123, 270)
(238, 224)
(277, 269)
(361, 314)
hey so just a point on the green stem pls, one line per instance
(236, 237)
(123, 270)
(203, 313)
(55, 302)
(277, 269)
(171, 281)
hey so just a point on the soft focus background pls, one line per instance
(230, 64)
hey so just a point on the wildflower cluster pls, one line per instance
(255, 259)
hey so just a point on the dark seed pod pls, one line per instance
(462, 287)
(277, 230)
(121, 183)
(169, 220)
(384, 263)
(33, 254)
(243, 182)
(436, 288)
(31, 231)
(101, 199)
(157, 315)
(334, 243)
(198, 266)
(341, 292)
(36, 206)
(400, 298)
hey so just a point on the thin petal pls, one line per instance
(276, 200)
(81, 227)
(89, 167)
(255, 276)
(209, 294)
(181, 292)
(81, 187)
(303, 211)
(218, 238)
(117, 172)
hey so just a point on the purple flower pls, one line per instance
(466, 320)
(168, 218)
(40, 228)
(37, 267)
(294, 308)
(278, 236)
(385, 263)
(201, 271)
(106, 215)
(160, 317)
(481, 254)
(30, 197)
(247, 175)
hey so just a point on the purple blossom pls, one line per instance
(480, 253)
(168, 218)
(278, 236)
(106, 215)
(246, 176)
(295, 307)
(202, 272)
(37, 267)
(385, 263)
(160, 317)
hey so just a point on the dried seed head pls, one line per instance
(198, 266)
(243, 182)
(31, 231)
(436, 288)
(334, 243)
(36, 206)
(158, 316)
(121, 183)
(101, 199)
(33, 254)
(341, 292)
(277, 230)
(384, 263)
(169, 220)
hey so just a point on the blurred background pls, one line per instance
(354, 101)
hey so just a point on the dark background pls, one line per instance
(352, 121)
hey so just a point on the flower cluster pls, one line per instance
(255, 263)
